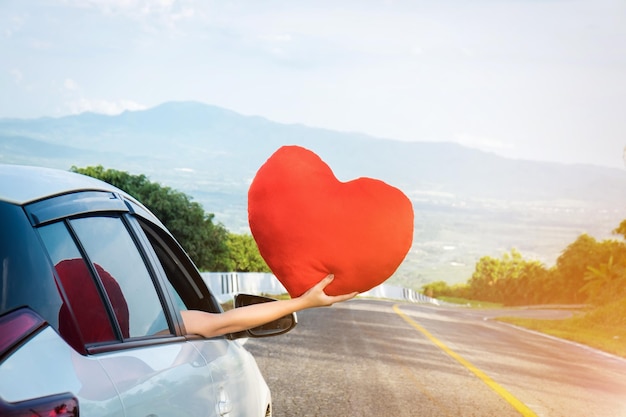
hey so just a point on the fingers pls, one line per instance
(344, 297)
(335, 298)
(327, 280)
(331, 299)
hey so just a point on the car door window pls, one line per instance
(83, 316)
(183, 281)
(110, 247)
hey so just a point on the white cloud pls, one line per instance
(103, 106)
(70, 84)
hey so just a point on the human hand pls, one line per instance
(316, 297)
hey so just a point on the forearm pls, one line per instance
(238, 319)
(248, 317)
(254, 315)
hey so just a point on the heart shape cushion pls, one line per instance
(307, 224)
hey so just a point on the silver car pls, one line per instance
(91, 289)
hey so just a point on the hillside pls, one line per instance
(468, 203)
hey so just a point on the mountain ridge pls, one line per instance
(476, 202)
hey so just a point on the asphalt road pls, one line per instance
(376, 358)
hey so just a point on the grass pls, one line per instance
(470, 303)
(603, 328)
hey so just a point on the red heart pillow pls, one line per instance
(307, 224)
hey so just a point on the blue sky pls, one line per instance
(530, 79)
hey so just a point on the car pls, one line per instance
(91, 289)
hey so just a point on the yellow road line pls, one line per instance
(517, 404)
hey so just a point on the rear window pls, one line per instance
(84, 319)
(26, 275)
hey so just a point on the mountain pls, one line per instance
(468, 203)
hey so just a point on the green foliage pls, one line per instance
(437, 289)
(588, 271)
(510, 280)
(605, 282)
(204, 241)
(591, 271)
(244, 254)
(470, 303)
(441, 290)
(621, 229)
(572, 266)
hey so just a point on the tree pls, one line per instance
(585, 261)
(599, 280)
(436, 289)
(510, 280)
(244, 254)
(531, 286)
(204, 241)
(621, 229)
(606, 282)
(481, 284)
(571, 267)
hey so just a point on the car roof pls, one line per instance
(21, 184)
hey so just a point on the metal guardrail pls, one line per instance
(225, 284)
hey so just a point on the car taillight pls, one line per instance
(60, 405)
(16, 327)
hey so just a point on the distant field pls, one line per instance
(449, 243)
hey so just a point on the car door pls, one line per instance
(239, 385)
(118, 314)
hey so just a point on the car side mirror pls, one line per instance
(273, 328)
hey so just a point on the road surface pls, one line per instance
(379, 358)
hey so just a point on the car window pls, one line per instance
(183, 280)
(83, 317)
(26, 276)
(113, 252)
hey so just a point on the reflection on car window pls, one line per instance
(183, 280)
(82, 299)
(171, 271)
(109, 245)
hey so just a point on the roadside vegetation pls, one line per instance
(589, 273)
(470, 303)
(603, 328)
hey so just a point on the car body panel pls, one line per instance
(46, 365)
(234, 373)
(24, 184)
(162, 380)
(156, 374)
